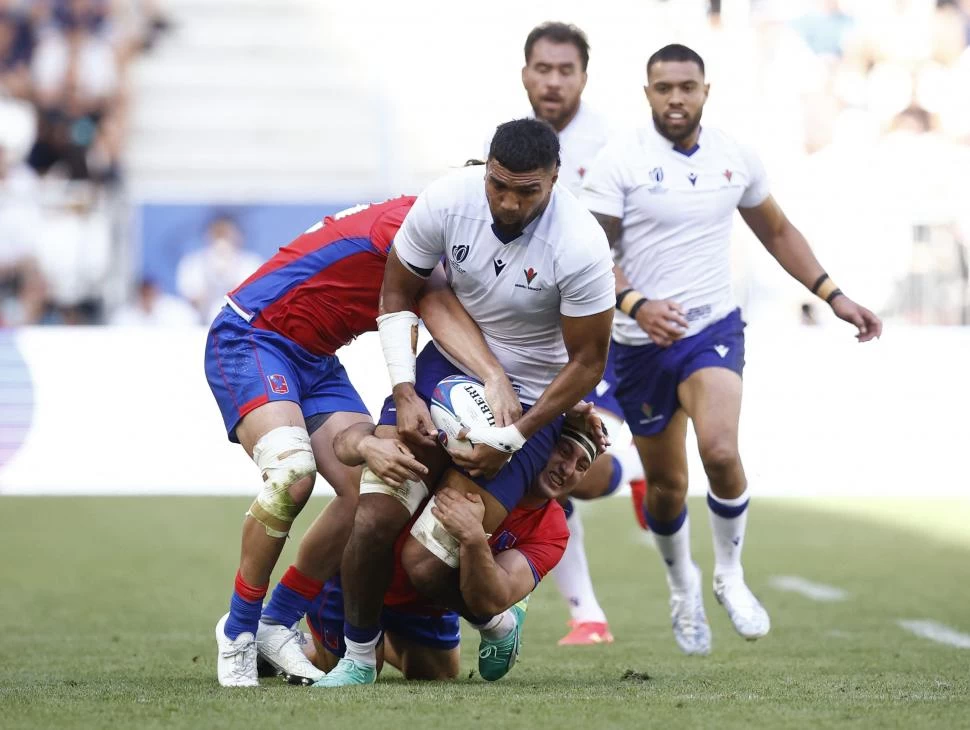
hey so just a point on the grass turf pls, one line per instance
(107, 608)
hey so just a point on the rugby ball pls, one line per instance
(457, 402)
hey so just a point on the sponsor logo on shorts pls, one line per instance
(278, 384)
(647, 410)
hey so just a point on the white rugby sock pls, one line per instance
(729, 519)
(363, 653)
(497, 627)
(673, 542)
(573, 578)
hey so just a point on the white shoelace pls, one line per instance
(244, 661)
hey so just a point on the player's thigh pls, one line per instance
(664, 455)
(344, 479)
(712, 398)
(267, 417)
(419, 662)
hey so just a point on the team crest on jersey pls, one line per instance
(278, 384)
(582, 172)
(459, 252)
(504, 541)
(728, 175)
(530, 274)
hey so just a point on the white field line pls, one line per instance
(937, 632)
(809, 589)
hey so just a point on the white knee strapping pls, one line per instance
(410, 494)
(428, 531)
(284, 457)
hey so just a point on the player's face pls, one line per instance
(565, 469)
(676, 92)
(517, 198)
(554, 80)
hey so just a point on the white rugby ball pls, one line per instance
(457, 402)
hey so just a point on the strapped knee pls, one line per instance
(284, 458)
(429, 531)
(410, 494)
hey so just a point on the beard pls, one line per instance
(677, 135)
(560, 118)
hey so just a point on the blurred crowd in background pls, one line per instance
(861, 110)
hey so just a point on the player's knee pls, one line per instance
(285, 459)
(667, 482)
(720, 458)
(378, 521)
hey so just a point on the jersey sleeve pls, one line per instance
(586, 284)
(546, 543)
(387, 226)
(420, 242)
(757, 190)
(604, 186)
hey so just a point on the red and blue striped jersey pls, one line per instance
(321, 290)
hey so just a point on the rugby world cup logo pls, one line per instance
(459, 252)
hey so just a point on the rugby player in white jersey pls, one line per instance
(554, 77)
(665, 196)
(533, 269)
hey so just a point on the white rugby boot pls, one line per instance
(236, 660)
(282, 647)
(746, 612)
(691, 630)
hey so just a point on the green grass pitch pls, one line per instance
(107, 608)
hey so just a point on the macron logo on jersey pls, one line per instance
(722, 350)
(499, 265)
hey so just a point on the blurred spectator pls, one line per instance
(825, 29)
(154, 308)
(74, 250)
(22, 288)
(16, 46)
(204, 276)
(76, 87)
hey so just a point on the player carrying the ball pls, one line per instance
(534, 270)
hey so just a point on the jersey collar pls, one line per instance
(686, 153)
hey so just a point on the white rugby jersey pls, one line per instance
(515, 292)
(677, 210)
(579, 143)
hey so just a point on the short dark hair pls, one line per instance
(525, 144)
(559, 33)
(676, 52)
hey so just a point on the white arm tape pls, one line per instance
(397, 341)
(506, 438)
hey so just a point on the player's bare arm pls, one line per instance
(388, 458)
(488, 584)
(789, 247)
(662, 319)
(457, 333)
(587, 341)
(399, 297)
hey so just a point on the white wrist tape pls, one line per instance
(399, 340)
(506, 438)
